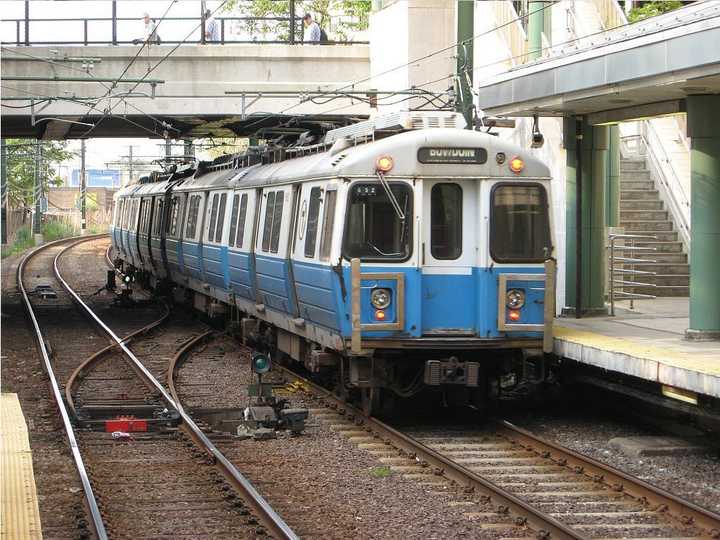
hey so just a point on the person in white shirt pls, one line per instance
(212, 28)
(312, 30)
(150, 31)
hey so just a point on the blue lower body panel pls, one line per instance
(316, 297)
(215, 262)
(192, 261)
(241, 271)
(273, 283)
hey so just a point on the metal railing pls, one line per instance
(648, 143)
(618, 254)
(283, 29)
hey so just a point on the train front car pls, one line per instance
(447, 260)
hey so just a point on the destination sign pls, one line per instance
(469, 156)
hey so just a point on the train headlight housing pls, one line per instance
(515, 299)
(380, 298)
(384, 164)
(517, 165)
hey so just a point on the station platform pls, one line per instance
(20, 510)
(646, 342)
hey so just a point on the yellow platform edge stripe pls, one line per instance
(20, 509)
(695, 361)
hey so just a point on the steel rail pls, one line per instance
(176, 360)
(544, 524)
(90, 500)
(686, 512)
(267, 515)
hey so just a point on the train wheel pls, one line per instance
(377, 401)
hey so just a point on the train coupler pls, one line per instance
(451, 371)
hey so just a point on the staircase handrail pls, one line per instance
(670, 184)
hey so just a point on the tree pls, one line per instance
(652, 9)
(21, 168)
(337, 17)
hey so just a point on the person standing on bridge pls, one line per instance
(313, 34)
(212, 28)
(150, 33)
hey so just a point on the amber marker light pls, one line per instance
(380, 315)
(514, 315)
(517, 165)
(384, 164)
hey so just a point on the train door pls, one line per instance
(173, 233)
(311, 268)
(214, 250)
(191, 250)
(450, 229)
(154, 240)
(240, 261)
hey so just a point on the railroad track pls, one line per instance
(516, 485)
(162, 482)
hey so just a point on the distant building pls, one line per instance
(109, 178)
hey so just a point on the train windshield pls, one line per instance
(519, 224)
(374, 229)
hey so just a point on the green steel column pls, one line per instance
(536, 25)
(465, 29)
(612, 191)
(590, 252)
(596, 257)
(703, 114)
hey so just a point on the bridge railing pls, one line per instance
(286, 28)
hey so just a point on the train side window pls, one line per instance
(328, 221)
(267, 226)
(312, 222)
(241, 220)
(446, 202)
(118, 213)
(157, 217)
(221, 217)
(213, 218)
(193, 210)
(519, 224)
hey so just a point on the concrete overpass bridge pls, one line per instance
(666, 65)
(65, 92)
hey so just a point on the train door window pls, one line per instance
(233, 219)
(519, 224)
(312, 222)
(241, 220)
(118, 213)
(157, 216)
(213, 218)
(193, 211)
(377, 229)
(328, 221)
(171, 224)
(446, 202)
(124, 218)
(267, 226)
(273, 221)
(221, 218)
(135, 211)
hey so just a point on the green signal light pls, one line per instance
(260, 363)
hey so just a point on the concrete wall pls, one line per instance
(408, 30)
(196, 77)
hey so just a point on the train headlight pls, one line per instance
(380, 298)
(515, 298)
(517, 165)
(384, 164)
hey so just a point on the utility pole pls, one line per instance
(3, 182)
(37, 221)
(464, 68)
(83, 189)
(130, 165)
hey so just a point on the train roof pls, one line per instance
(359, 161)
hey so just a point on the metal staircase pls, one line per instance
(643, 212)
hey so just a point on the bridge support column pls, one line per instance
(535, 28)
(703, 114)
(585, 206)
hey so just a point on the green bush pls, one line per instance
(54, 230)
(652, 9)
(23, 240)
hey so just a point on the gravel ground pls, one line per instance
(695, 477)
(322, 474)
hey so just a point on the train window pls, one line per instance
(277, 221)
(213, 218)
(328, 220)
(221, 217)
(193, 210)
(118, 213)
(241, 220)
(267, 227)
(171, 225)
(446, 221)
(519, 225)
(312, 222)
(157, 216)
(374, 229)
(233, 219)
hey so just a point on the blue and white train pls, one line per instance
(397, 256)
